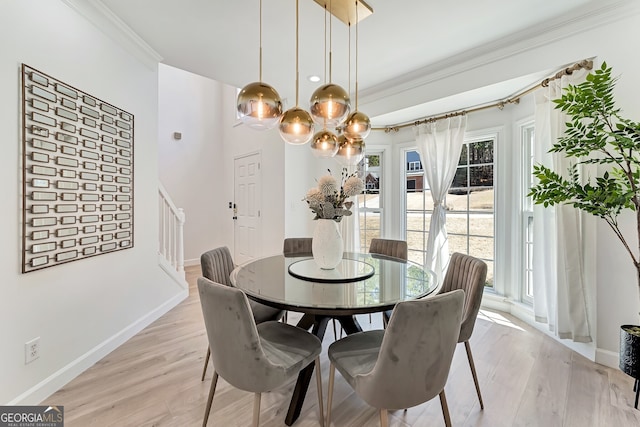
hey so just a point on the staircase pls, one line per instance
(171, 241)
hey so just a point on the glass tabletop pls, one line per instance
(269, 280)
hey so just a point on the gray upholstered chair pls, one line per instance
(254, 358)
(469, 274)
(297, 246)
(406, 364)
(389, 247)
(217, 265)
(392, 248)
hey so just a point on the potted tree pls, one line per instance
(597, 134)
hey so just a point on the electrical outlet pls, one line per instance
(31, 350)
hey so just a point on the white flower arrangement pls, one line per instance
(328, 200)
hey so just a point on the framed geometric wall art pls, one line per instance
(77, 184)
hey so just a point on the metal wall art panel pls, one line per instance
(67, 137)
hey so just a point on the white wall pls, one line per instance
(191, 169)
(300, 172)
(83, 309)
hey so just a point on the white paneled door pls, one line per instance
(247, 208)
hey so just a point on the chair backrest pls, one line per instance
(416, 353)
(236, 351)
(389, 247)
(217, 265)
(469, 274)
(297, 246)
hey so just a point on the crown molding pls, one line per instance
(109, 23)
(522, 41)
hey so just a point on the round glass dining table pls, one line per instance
(361, 283)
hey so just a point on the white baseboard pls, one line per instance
(191, 262)
(496, 302)
(178, 277)
(525, 313)
(57, 380)
(607, 358)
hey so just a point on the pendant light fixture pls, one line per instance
(296, 125)
(356, 128)
(324, 143)
(330, 104)
(351, 152)
(259, 105)
(357, 125)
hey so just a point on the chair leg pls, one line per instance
(256, 409)
(637, 390)
(285, 318)
(212, 391)
(467, 346)
(206, 362)
(385, 320)
(335, 334)
(319, 383)
(384, 418)
(445, 409)
(332, 375)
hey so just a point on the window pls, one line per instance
(469, 204)
(419, 207)
(527, 135)
(414, 166)
(370, 202)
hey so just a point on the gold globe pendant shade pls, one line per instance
(350, 152)
(259, 106)
(357, 126)
(330, 105)
(324, 144)
(296, 126)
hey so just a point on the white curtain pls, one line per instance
(350, 225)
(439, 145)
(559, 297)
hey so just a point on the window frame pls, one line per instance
(527, 141)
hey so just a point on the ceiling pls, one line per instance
(220, 39)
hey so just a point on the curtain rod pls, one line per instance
(586, 64)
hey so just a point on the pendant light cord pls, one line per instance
(349, 62)
(356, 55)
(260, 26)
(297, 69)
(324, 50)
(330, 43)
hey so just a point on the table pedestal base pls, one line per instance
(318, 325)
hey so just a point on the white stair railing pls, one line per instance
(171, 244)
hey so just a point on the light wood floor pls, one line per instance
(527, 379)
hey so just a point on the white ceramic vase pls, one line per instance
(327, 245)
